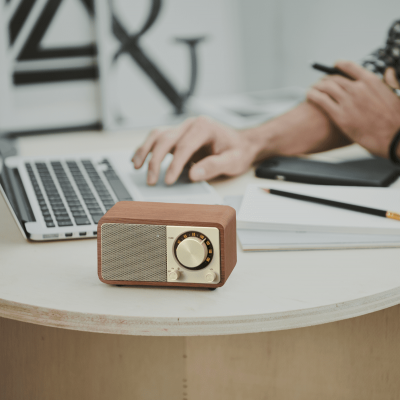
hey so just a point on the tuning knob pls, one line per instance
(191, 252)
(210, 276)
(174, 275)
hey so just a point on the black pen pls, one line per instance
(346, 206)
(330, 70)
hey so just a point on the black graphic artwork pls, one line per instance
(19, 18)
(130, 45)
(32, 50)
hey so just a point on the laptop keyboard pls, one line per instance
(116, 184)
(90, 200)
(71, 211)
(40, 198)
(74, 204)
(56, 203)
(100, 187)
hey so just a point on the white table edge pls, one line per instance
(140, 326)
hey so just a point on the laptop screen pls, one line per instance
(7, 192)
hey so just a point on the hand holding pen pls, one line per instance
(361, 105)
(330, 70)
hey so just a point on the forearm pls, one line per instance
(303, 130)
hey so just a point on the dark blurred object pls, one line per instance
(388, 56)
(8, 146)
(376, 172)
(330, 70)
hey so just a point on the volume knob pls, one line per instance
(191, 252)
(210, 276)
(174, 275)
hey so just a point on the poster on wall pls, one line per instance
(155, 55)
(48, 65)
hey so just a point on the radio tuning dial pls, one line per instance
(193, 250)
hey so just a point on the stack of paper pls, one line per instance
(270, 222)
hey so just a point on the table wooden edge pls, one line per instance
(143, 326)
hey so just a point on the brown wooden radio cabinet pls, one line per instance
(167, 244)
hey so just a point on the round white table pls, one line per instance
(55, 285)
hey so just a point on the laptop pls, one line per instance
(64, 197)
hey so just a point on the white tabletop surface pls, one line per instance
(56, 283)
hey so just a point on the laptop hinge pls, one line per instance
(23, 206)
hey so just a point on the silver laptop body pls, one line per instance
(64, 197)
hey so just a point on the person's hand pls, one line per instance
(365, 109)
(391, 79)
(214, 148)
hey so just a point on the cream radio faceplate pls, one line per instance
(193, 254)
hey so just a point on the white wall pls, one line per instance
(283, 37)
(262, 43)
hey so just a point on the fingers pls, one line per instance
(213, 166)
(332, 88)
(343, 82)
(163, 144)
(354, 70)
(160, 150)
(188, 140)
(391, 78)
(143, 151)
(325, 102)
(196, 137)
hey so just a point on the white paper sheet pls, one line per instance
(261, 210)
(265, 240)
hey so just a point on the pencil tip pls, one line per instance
(266, 190)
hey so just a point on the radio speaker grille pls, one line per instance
(131, 252)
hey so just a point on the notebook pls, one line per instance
(265, 240)
(260, 210)
(257, 240)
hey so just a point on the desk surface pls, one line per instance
(56, 284)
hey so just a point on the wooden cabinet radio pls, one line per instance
(167, 244)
